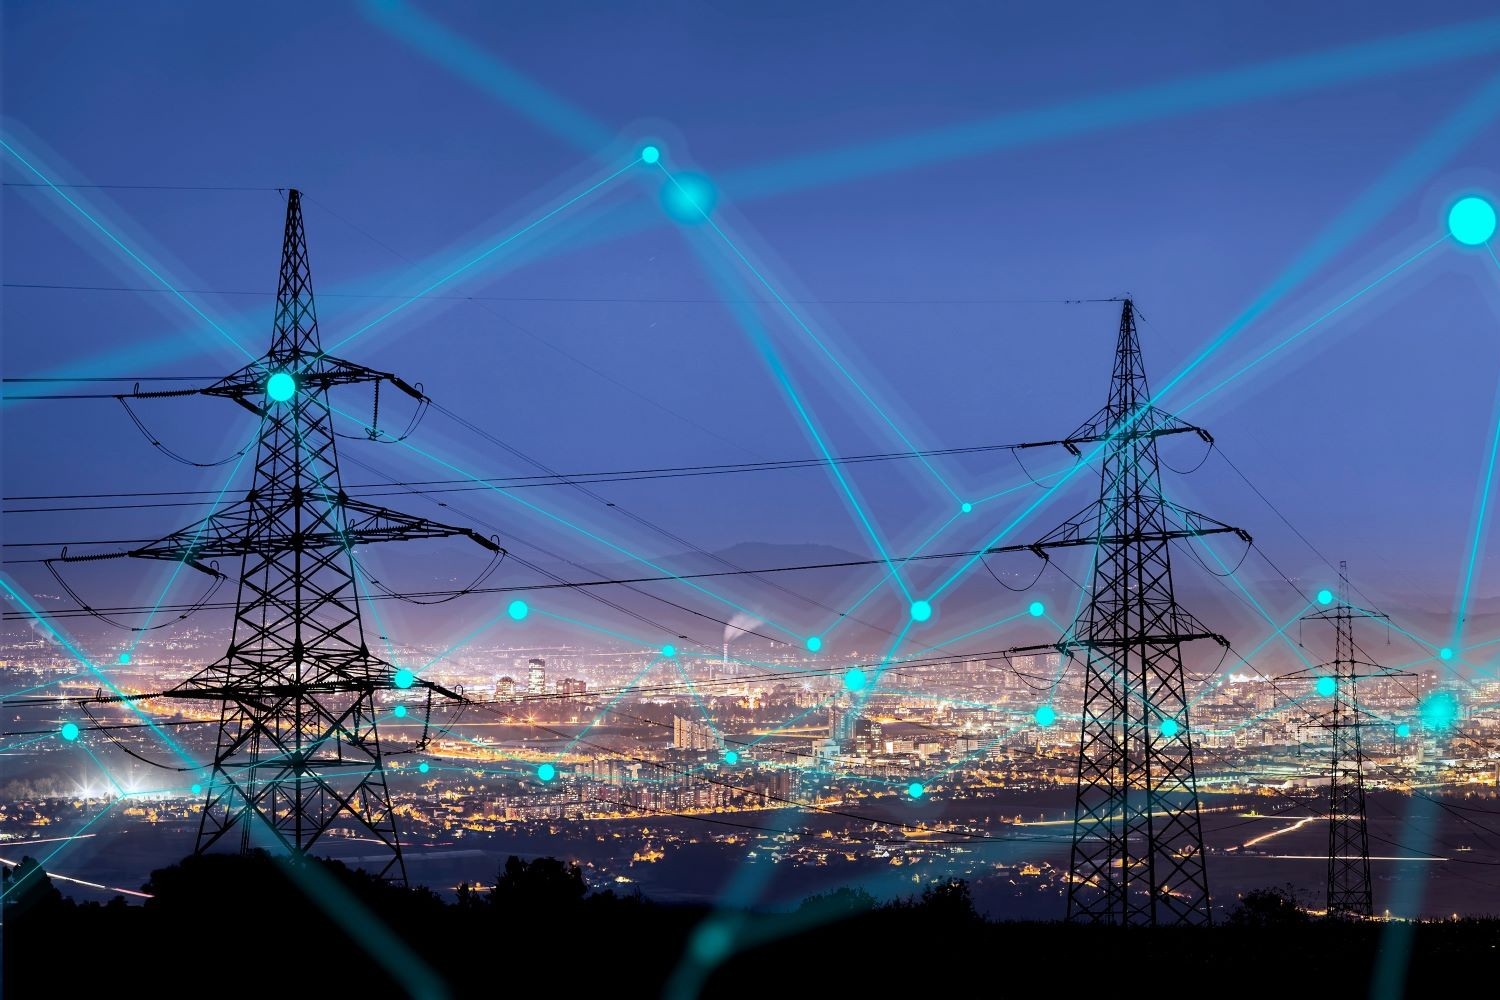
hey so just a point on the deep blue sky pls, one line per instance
(1371, 434)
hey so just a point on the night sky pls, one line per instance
(933, 273)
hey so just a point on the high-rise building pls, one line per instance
(570, 686)
(505, 688)
(536, 676)
(690, 735)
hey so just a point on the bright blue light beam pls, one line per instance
(1119, 108)
(485, 255)
(128, 252)
(1268, 353)
(1476, 545)
(772, 358)
(802, 325)
(562, 521)
(461, 56)
(1451, 134)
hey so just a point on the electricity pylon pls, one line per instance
(298, 745)
(1348, 833)
(1137, 854)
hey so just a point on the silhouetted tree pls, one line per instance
(1269, 907)
(540, 884)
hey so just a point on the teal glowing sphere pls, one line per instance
(1439, 710)
(546, 772)
(921, 611)
(966, 507)
(1045, 715)
(650, 154)
(399, 711)
(915, 790)
(69, 731)
(197, 789)
(1325, 597)
(712, 941)
(854, 679)
(124, 657)
(731, 757)
(518, 610)
(1326, 686)
(424, 767)
(1445, 653)
(669, 651)
(281, 387)
(1403, 730)
(1472, 221)
(1168, 728)
(814, 643)
(404, 678)
(1036, 609)
(689, 198)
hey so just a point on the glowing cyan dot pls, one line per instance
(1036, 610)
(1326, 686)
(124, 657)
(712, 941)
(1045, 715)
(854, 678)
(405, 678)
(546, 772)
(197, 789)
(1168, 728)
(1445, 653)
(915, 789)
(921, 611)
(669, 651)
(281, 387)
(814, 643)
(689, 198)
(1403, 730)
(731, 757)
(1439, 710)
(1472, 221)
(650, 154)
(966, 507)
(518, 610)
(424, 767)
(69, 731)
(399, 711)
(1325, 597)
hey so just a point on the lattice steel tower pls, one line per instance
(298, 744)
(1137, 854)
(1348, 834)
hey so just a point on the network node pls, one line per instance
(669, 651)
(404, 678)
(70, 731)
(281, 387)
(546, 772)
(915, 790)
(650, 154)
(1403, 730)
(854, 678)
(1439, 710)
(1037, 609)
(1045, 715)
(689, 198)
(124, 657)
(712, 942)
(1445, 653)
(814, 643)
(921, 611)
(424, 767)
(731, 757)
(966, 507)
(1168, 728)
(196, 789)
(1325, 597)
(399, 711)
(518, 610)
(1326, 686)
(1471, 221)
